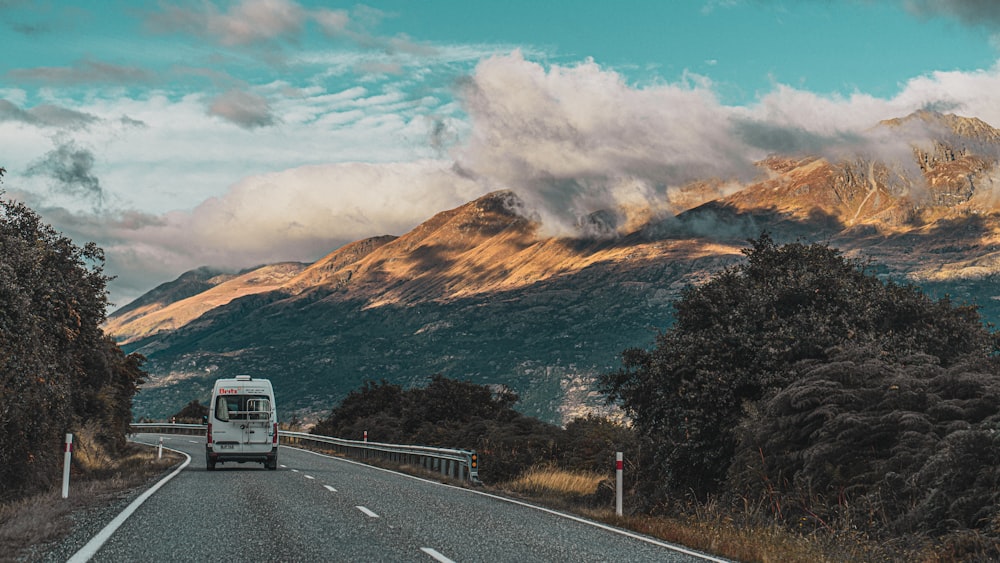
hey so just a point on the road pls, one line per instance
(320, 508)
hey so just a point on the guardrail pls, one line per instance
(168, 428)
(459, 464)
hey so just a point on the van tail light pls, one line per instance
(274, 440)
(208, 433)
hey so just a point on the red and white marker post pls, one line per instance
(618, 483)
(67, 455)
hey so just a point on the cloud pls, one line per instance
(270, 23)
(332, 23)
(775, 138)
(71, 168)
(46, 115)
(243, 108)
(31, 19)
(247, 22)
(83, 72)
(576, 140)
(298, 214)
(969, 12)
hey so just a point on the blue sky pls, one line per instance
(179, 134)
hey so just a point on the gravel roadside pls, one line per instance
(89, 518)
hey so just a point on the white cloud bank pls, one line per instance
(295, 215)
(575, 140)
(571, 140)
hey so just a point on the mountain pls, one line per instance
(478, 293)
(175, 304)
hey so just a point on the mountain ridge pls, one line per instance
(477, 293)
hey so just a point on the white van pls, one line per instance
(242, 423)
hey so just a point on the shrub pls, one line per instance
(57, 368)
(460, 414)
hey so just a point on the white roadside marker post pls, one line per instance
(68, 449)
(159, 449)
(618, 483)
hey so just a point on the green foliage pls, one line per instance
(57, 368)
(903, 445)
(589, 443)
(460, 414)
(192, 413)
(740, 336)
(373, 400)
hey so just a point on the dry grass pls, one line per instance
(711, 528)
(722, 536)
(97, 478)
(33, 521)
(552, 481)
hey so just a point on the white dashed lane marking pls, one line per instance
(329, 488)
(367, 512)
(436, 555)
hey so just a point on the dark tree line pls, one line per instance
(800, 377)
(58, 371)
(460, 414)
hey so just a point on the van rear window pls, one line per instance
(242, 407)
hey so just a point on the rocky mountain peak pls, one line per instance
(478, 291)
(971, 128)
(954, 162)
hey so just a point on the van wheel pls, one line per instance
(209, 466)
(271, 464)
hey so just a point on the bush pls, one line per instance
(800, 378)
(57, 368)
(192, 413)
(457, 414)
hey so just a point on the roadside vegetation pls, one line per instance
(799, 409)
(59, 374)
(58, 371)
(32, 524)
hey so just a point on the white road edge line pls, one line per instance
(367, 512)
(329, 488)
(605, 527)
(436, 555)
(95, 544)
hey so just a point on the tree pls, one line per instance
(448, 413)
(890, 444)
(371, 400)
(738, 337)
(57, 368)
(192, 413)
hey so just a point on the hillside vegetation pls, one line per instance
(795, 390)
(450, 413)
(799, 381)
(59, 372)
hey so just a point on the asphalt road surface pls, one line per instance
(320, 508)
